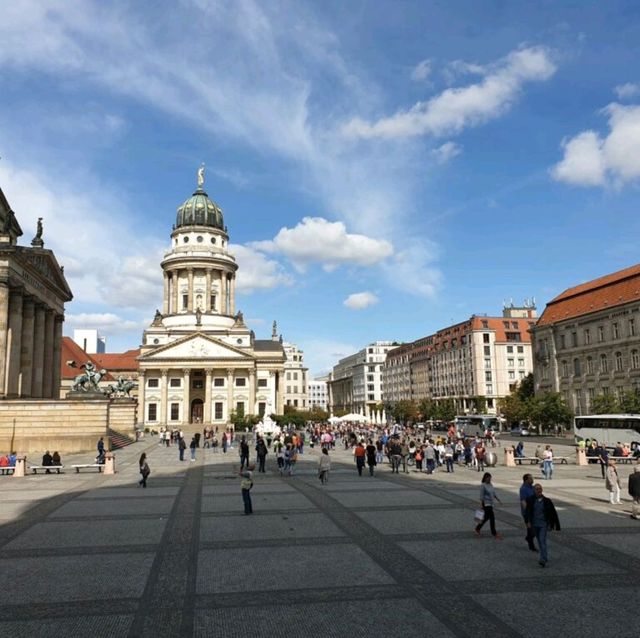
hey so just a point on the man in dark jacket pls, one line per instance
(634, 490)
(541, 517)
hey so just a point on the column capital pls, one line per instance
(186, 372)
(252, 372)
(230, 372)
(164, 372)
(208, 371)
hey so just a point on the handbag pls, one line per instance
(478, 516)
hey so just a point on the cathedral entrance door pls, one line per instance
(197, 410)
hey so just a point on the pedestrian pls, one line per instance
(192, 446)
(547, 462)
(225, 442)
(603, 457)
(360, 454)
(182, 446)
(487, 497)
(634, 490)
(56, 459)
(541, 517)
(612, 483)
(244, 451)
(261, 453)
(480, 456)
(144, 469)
(101, 453)
(430, 457)
(47, 461)
(395, 455)
(371, 456)
(448, 457)
(526, 491)
(324, 465)
(246, 483)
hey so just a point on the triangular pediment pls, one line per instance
(43, 265)
(196, 346)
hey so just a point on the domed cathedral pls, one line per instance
(199, 362)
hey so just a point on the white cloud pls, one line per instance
(316, 239)
(627, 91)
(458, 108)
(105, 321)
(411, 269)
(446, 152)
(257, 272)
(320, 355)
(360, 300)
(422, 71)
(593, 160)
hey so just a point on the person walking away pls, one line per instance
(448, 457)
(612, 483)
(101, 446)
(487, 498)
(144, 469)
(542, 517)
(182, 446)
(547, 462)
(261, 453)
(634, 490)
(430, 457)
(419, 457)
(526, 491)
(481, 452)
(404, 453)
(246, 483)
(192, 446)
(371, 456)
(603, 457)
(324, 465)
(395, 455)
(244, 451)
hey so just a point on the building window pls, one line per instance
(565, 369)
(600, 333)
(520, 349)
(371, 397)
(185, 302)
(288, 376)
(485, 324)
(372, 368)
(295, 376)
(487, 363)
(485, 337)
(152, 412)
(371, 387)
(510, 362)
(574, 339)
(604, 364)
(153, 383)
(590, 366)
(288, 389)
(619, 362)
(489, 388)
(635, 360)
(506, 324)
(587, 336)
(175, 412)
(615, 331)
(632, 327)
(262, 383)
(577, 368)
(241, 382)
(509, 350)
(175, 383)
(563, 345)
(262, 407)
(213, 302)
(514, 336)
(487, 375)
(217, 410)
(197, 384)
(545, 373)
(512, 374)
(218, 382)
(521, 363)
(240, 408)
(521, 374)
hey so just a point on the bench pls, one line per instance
(533, 460)
(87, 466)
(7, 469)
(623, 459)
(46, 468)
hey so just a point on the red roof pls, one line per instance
(71, 351)
(599, 294)
(120, 361)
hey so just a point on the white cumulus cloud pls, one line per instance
(627, 91)
(446, 152)
(256, 271)
(422, 71)
(458, 108)
(316, 239)
(591, 159)
(104, 321)
(360, 300)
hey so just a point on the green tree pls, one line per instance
(428, 409)
(630, 402)
(404, 410)
(479, 404)
(548, 410)
(604, 404)
(513, 408)
(446, 410)
(525, 389)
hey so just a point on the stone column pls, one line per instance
(252, 391)
(47, 372)
(38, 352)
(186, 411)
(232, 295)
(165, 295)
(4, 320)
(279, 397)
(206, 417)
(142, 417)
(26, 357)
(163, 397)
(207, 294)
(174, 291)
(14, 344)
(190, 294)
(57, 353)
(230, 406)
(223, 293)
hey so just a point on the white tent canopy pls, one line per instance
(334, 419)
(353, 417)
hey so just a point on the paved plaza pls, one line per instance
(394, 555)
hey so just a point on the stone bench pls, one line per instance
(87, 466)
(8, 470)
(533, 460)
(623, 459)
(46, 468)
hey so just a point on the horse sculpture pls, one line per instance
(122, 388)
(89, 380)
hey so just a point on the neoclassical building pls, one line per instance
(199, 362)
(33, 291)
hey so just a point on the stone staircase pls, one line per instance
(119, 440)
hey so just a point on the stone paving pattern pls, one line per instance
(393, 555)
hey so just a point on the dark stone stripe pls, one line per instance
(75, 609)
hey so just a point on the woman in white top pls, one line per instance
(547, 462)
(324, 465)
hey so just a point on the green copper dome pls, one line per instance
(199, 210)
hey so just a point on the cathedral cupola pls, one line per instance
(199, 209)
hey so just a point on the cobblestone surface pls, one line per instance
(386, 556)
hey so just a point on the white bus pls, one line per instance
(608, 429)
(477, 423)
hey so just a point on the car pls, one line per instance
(519, 430)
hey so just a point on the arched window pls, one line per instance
(619, 362)
(604, 363)
(577, 368)
(635, 359)
(590, 366)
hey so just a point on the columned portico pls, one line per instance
(207, 294)
(186, 404)
(38, 352)
(4, 322)
(57, 350)
(47, 377)
(174, 290)
(223, 294)
(230, 406)
(165, 302)
(190, 304)
(208, 374)
(163, 396)
(26, 358)
(14, 344)
(252, 391)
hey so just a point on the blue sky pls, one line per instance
(385, 168)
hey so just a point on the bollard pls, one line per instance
(109, 463)
(509, 458)
(21, 464)
(581, 456)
